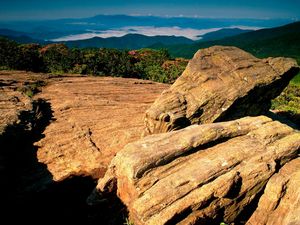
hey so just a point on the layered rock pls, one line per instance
(20, 120)
(280, 203)
(201, 174)
(12, 105)
(12, 101)
(219, 84)
(93, 118)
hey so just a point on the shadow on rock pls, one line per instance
(28, 192)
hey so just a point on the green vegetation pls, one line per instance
(31, 88)
(288, 103)
(296, 79)
(148, 64)
(8, 52)
(156, 65)
(279, 41)
(128, 222)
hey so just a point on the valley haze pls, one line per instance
(106, 26)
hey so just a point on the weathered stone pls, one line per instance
(280, 203)
(12, 105)
(12, 101)
(94, 117)
(219, 84)
(20, 119)
(200, 174)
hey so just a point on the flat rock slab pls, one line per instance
(220, 84)
(202, 174)
(93, 118)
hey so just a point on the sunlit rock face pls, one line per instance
(219, 84)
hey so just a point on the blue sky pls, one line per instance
(52, 9)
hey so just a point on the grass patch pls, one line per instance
(288, 102)
(296, 80)
(30, 89)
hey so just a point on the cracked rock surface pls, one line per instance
(93, 118)
(202, 174)
(280, 203)
(220, 83)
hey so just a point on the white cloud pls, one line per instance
(81, 23)
(190, 33)
(246, 27)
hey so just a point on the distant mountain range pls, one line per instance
(223, 33)
(124, 24)
(279, 41)
(128, 41)
(20, 37)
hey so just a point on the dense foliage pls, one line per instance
(9, 52)
(149, 64)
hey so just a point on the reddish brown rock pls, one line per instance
(12, 100)
(280, 203)
(201, 174)
(93, 119)
(220, 84)
(13, 103)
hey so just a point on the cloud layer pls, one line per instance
(193, 34)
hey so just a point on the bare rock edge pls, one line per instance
(220, 83)
(203, 173)
(209, 173)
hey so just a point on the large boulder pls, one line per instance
(201, 174)
(280, 203)
(219, 84)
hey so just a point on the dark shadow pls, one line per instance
(179, 217)
(65, 202)
(247, 212)
(258, 100)
(28, 192)
(292, 120)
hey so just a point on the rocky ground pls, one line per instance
(194, 168)
(93, 118)
(60, 133)
(55, 127)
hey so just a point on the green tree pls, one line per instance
(156, 73)
(30, 58)
(9, 53)
(56, 58)
(109, 62)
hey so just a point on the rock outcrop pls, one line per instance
(12, 101)
(202, 173)
(20, 119)
(12, 105)
(220, 84)
(93, 119)
(280, 203)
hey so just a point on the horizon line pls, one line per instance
(152, 15)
